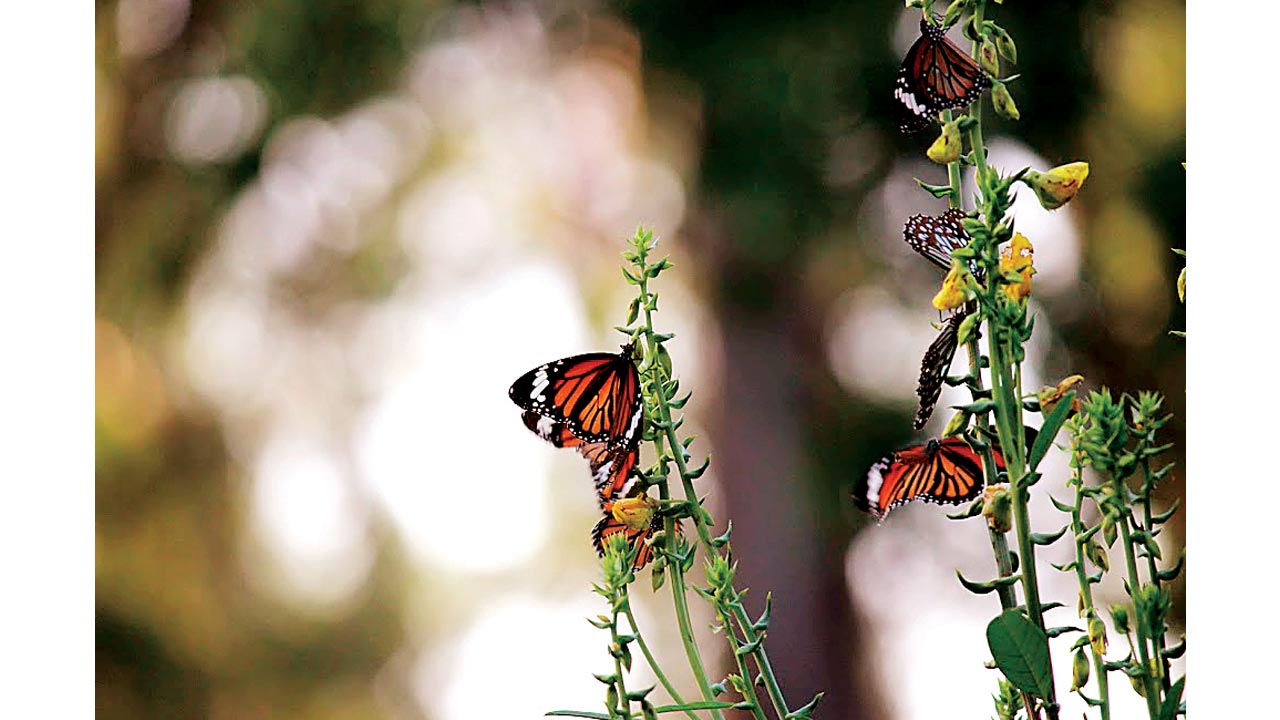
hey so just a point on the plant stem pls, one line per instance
(653, 663)
(678, 590)
(1153, 571)
(1086, 591)
(1131, 563)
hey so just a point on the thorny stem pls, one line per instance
(664, 421)
(620, 681)
(1086, 591)
(1131, 564)
(1153, 571)
(653, 663)
(678, 591)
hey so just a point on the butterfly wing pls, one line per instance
(610, 525)
(939, 471)
(934, 367)
(595, 396)
(934, 76)
(936, 237)
(913, 112)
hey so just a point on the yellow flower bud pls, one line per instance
(955, 289)
(1056, 187)
(634, 512)
(1003, 101)
(946, 149)
(1017, 258)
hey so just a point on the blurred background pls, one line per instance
(330, 235)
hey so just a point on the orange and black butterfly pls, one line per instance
(939, 471)
(612, 468)
(596, 396)
(935, 75)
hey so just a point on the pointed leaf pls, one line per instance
(1021, 651)
(1169, 708)
(985, 587)
(1049, 430)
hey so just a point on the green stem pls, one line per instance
(1086, 592)
(615, 647)
(664, 420)
(653, 663)
(1153, 571)
(750, 693)
(679, 593)
(1131, 564)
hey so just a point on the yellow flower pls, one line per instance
(1056, 187)
(634, 512)
(946, 149)
(1017, 258)
(955, 289)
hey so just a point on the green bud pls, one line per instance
(987, 56)
(1004, 44)
(1182, 286)
(1097, 635)
(1079, 670)
(1138, 686)
(953, 12)
(1097, 555)
(946, 149)
(1120, 617)
(1108, 529)
(1003, 101)
(958, 424)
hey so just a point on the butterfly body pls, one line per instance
(934, 76)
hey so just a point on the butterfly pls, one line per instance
(612, 468)
(939, 471)
(595, 396)
(635, 517)
(934, 367)
(935, 75)
(936, 236)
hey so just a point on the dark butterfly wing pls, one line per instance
(936, 237)
(612, 468)
(939, 471)
(913, 111)
(934, 76)
(595, 396)
(934, 367)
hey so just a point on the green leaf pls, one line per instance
(985, 587)
(1021, 651)
(695, 705)
(1047, 538)
(1161, 518)
(1049, 430)
(633, 311)
(938, 191)
(578, 713)
(1169, 708)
